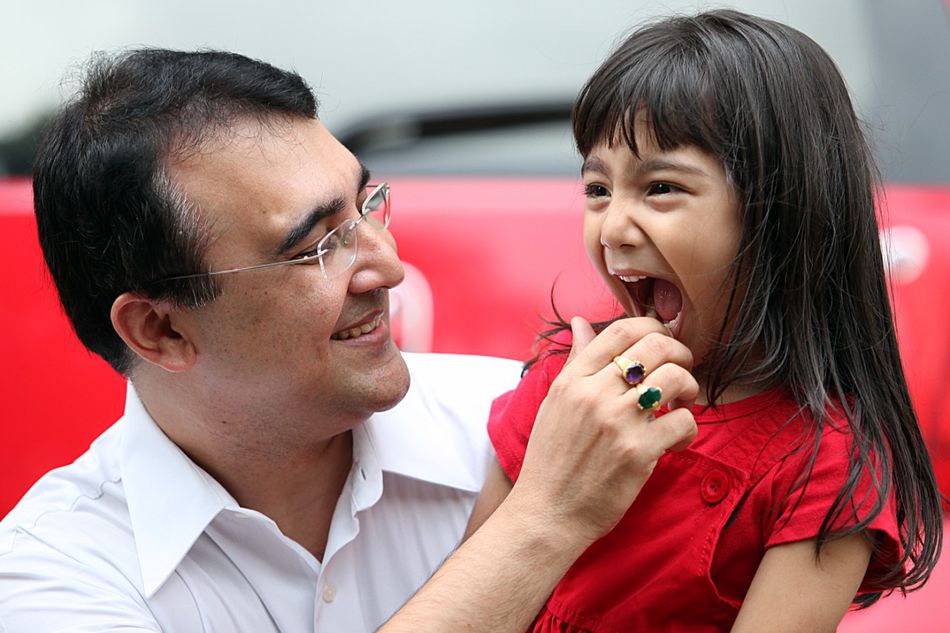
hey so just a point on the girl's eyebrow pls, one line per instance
(668, 164)
(593, 164)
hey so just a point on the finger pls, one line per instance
(656, 348)
(674, 383)
(650, 352)
(582, 334)
(616, 337)
(674, 431)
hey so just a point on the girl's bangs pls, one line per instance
(665, 88)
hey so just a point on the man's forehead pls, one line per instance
(255, 156)
(257, 182)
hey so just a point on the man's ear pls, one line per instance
(148, 327)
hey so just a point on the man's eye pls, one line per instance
(595, 191)
(309, 253)
(322, 247)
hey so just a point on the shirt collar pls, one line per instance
(418, 438)
(171, 500)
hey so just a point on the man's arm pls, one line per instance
(497, 580)
(590, 452)
(496, 489)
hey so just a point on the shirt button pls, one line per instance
(715, 486)
(329, 592)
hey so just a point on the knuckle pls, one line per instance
(567, 394)
(668, 376)
(684, 379)
(622, 330)
(630, 330)
(633, 452)
(683, 424)
(656, 344)
(559, 385)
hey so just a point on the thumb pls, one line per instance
(582, 333)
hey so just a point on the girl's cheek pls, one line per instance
(595, 251)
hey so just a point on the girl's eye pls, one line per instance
(662, 188)
(596, 191)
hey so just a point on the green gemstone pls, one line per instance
(650, 398)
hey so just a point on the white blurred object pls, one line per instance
(906, 253)
(411, 312)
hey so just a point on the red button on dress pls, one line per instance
(715, 486)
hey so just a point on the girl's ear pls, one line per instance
(148, 327)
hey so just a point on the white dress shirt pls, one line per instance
(134, 536)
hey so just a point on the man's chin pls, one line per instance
(393, 382)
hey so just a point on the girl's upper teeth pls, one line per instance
(632, 278)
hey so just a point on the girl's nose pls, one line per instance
(620, 226)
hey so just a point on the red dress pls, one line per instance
(684, 555)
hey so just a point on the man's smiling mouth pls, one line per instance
(359, 330)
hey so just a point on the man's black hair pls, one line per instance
(109, 218)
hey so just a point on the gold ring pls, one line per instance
(633, 371)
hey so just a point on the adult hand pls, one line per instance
(590, 452)
(592, 447)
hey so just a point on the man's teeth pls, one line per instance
(357, 331)
(631, 278)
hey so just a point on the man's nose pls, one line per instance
(377, 261)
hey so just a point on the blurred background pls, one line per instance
(371, 57)
(464, 108)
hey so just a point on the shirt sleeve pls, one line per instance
(801, 505)
(512, 414)
(43, 590)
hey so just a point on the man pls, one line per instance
(216, 245)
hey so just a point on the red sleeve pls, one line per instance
(512, 414)
(800, 509)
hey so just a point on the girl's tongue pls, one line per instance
(667, 300)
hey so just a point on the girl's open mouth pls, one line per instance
(656, 298)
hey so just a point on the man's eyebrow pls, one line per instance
(364, 176)
(304, 226)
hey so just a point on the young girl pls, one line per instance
(730, 195)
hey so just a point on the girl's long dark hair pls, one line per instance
(814, 310)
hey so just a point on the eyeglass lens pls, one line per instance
(339, 250)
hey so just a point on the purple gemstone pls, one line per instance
(635, 374)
